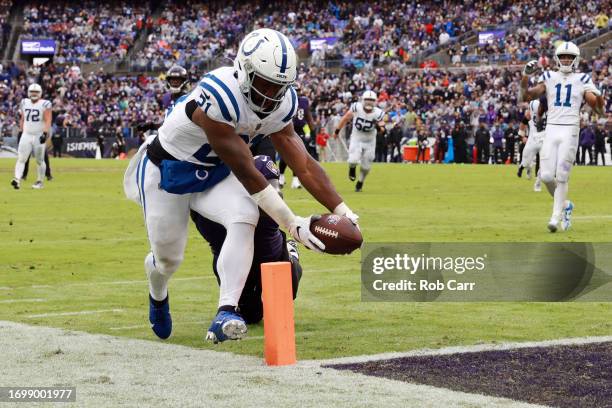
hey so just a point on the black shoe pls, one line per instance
(15, 184)
(352, 173)
(520, 171)
(358, 186)
(49, 178)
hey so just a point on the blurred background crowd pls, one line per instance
(445, 72)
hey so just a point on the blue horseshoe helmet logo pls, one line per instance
(252, 50)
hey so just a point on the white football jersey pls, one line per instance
(32, 113)
(364, 123)
(219, 96)
(533, 111)
(565, 94)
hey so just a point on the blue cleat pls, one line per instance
(159, 316)
(566, 221)
(226, 325)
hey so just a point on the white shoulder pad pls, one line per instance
(218, 101)
(380, 114)
(289, 108)
(544, 76)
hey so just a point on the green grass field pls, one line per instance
(78, 245)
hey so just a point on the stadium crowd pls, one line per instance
(86, 31)
(531, 28)
(5, 27)
(420, 104)
(356, 33)
(432, 104)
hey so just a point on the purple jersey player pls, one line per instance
(302, 118)
(271, 245)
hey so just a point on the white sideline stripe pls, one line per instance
(125, 282)
(111, 371)
(572, 341)
(135, 282)
(22, 300)
(592, 217)
(69, 241)
(148, 326)
(81, 312)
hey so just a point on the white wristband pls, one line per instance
(272, 203)
(341, 209)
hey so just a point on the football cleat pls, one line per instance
(38, 185)
(15, 183)
(226, 326)
(292, 249)
(49, 178)
(352, 173)
(566, 221)
(537, 186)
(159, 316)
(295, 183)
(553, 225)
(519, 173)
(358, 186)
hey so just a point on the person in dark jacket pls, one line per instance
(459, 136)
(600, 143)
(587, 140)
(482, 143)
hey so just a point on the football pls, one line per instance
(338, 233)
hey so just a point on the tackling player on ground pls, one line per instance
(362, 146)
(271, 245)
(34, 124)
(565, 91)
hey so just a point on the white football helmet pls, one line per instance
(368, 100)
(34, 92)
(567, 48)
(265, 57)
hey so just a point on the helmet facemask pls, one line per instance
(567, 62)
(263, 94)
(34, 95)
(176, 84)
(368, 104)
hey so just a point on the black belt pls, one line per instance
(157, 153)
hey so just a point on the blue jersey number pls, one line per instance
(568, 95)
(32, 115)
(364, 125)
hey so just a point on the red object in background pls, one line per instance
(474, 155)
(322, 139)
(429, 64)
(410, 153)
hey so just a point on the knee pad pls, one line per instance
(167, 266)
(546, 176)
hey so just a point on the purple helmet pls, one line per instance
(267, 167)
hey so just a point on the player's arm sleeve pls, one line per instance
(217, 101)
(381, 114)
(589, 86)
